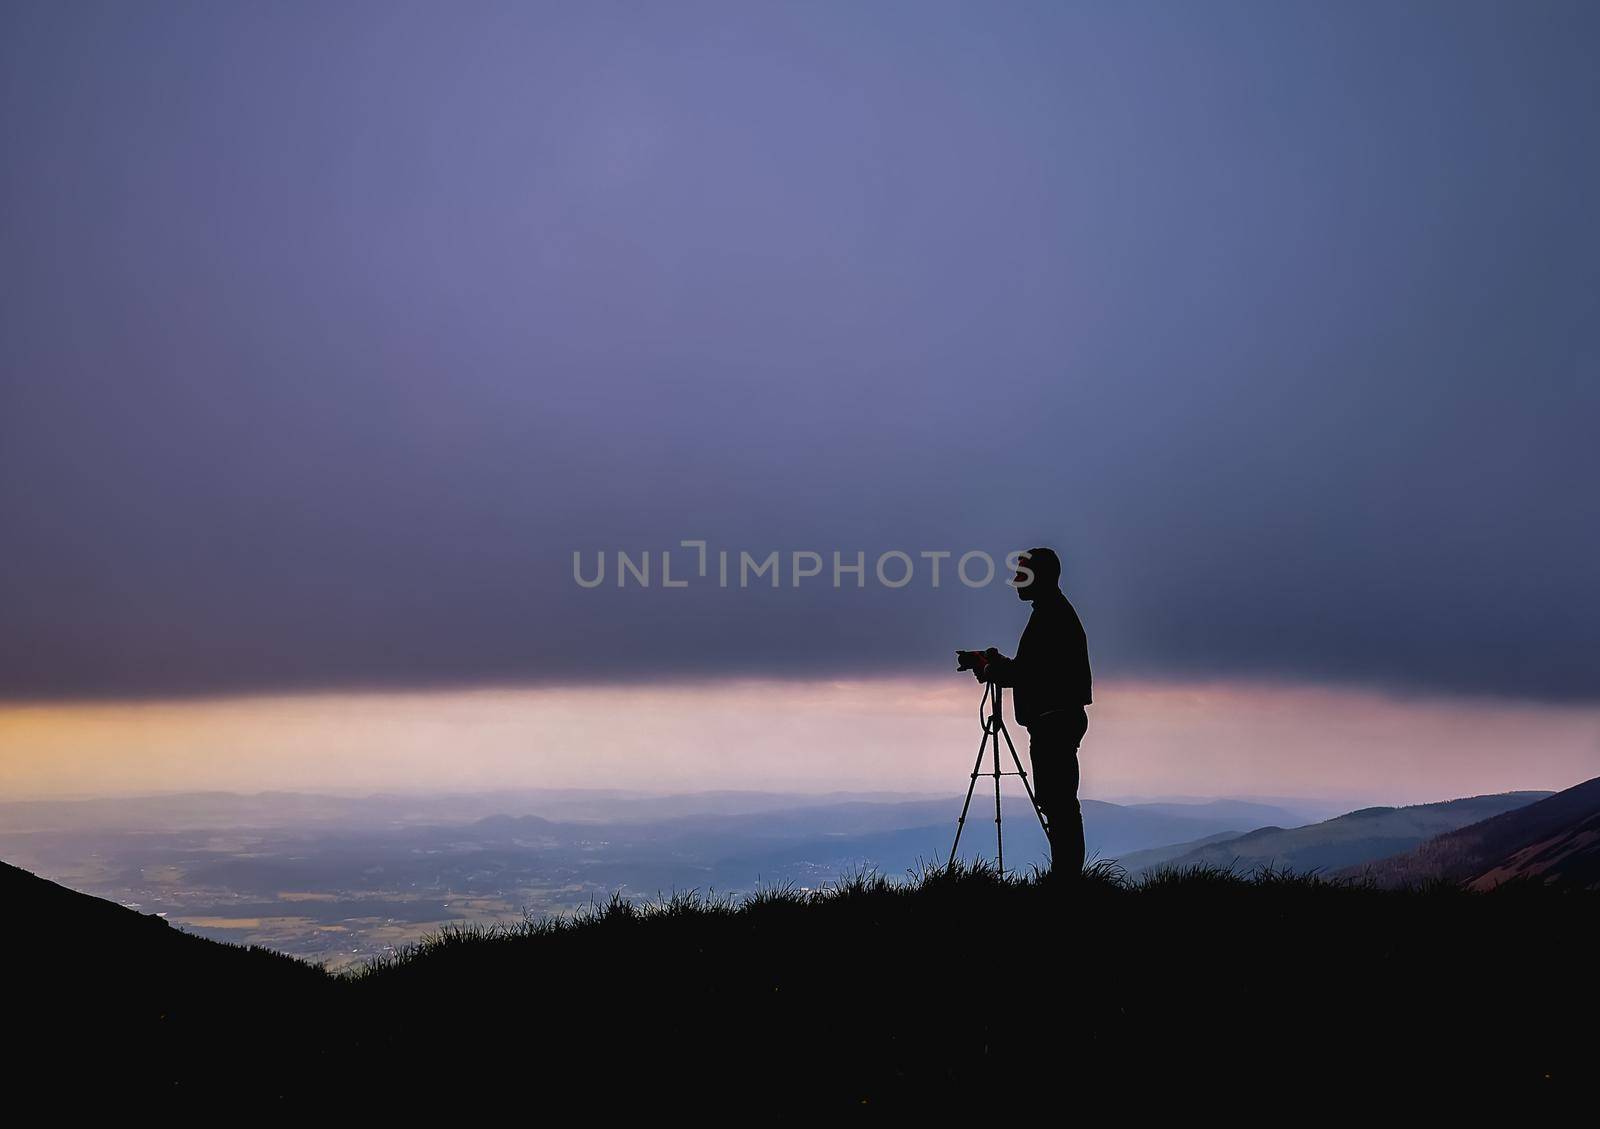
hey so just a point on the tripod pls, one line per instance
(994, 728)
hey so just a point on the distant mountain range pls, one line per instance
(1554, 842)
(1347, 840)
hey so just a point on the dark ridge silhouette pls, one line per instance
(922, 993)
(105, 1004)
(1355, 837)
(135, 957)
(1554, 842)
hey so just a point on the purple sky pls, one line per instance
(328, 332)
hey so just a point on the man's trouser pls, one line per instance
(1053, 741)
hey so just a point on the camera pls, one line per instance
(974, 661)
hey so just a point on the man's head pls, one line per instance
(1046, 569)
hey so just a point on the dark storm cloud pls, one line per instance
(329, 332)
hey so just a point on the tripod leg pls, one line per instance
(971, 784)
(999, 838)
(1026, 787)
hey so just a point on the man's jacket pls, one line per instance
(1051, 670)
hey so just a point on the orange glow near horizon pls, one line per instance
(1145, 739)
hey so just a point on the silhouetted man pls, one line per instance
(1050, 687)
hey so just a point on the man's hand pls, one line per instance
(994, 667)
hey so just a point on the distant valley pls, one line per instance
(342, 879)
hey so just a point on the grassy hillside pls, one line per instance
(1555, 841)
(1357, 837)
(960, 985)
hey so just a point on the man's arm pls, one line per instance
(1039, 641)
